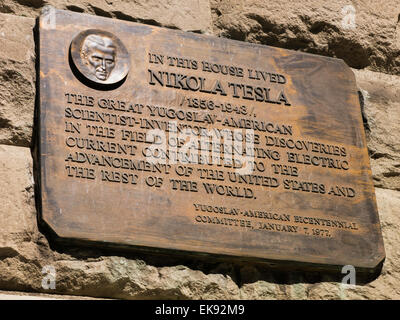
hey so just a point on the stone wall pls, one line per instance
(371, 47)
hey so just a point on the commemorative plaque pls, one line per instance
(162, 140)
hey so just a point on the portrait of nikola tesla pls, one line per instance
(100, 57)
(99, 54)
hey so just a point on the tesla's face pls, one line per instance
(102, 61)
(100, 57)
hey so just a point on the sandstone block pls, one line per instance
(191, 15)
(381, 104)
(17, 79)
(362, 34)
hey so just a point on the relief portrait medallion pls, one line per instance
(100, 56)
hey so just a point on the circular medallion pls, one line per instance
(100, 56)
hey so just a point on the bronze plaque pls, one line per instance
(163, 140)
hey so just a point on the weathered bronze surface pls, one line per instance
(281, 172)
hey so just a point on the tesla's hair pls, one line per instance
(93, 40)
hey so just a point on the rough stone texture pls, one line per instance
(24, 251)
(315, 26)
(17, 214)
(188, 15)
(17, 79)
(381, 104)
(307, 25)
